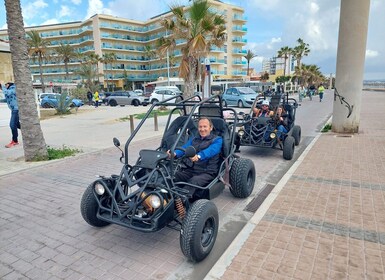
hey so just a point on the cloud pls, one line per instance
(51, 21)
(64, 11)
(97, 7)
(33, 9)
(371, 53)
(76, 2)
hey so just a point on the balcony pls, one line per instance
(239, 17)
(241, 29)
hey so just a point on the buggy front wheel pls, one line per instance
(199, 230)
(242, 177)
(89, 208)
(296, 133)
(288, 148)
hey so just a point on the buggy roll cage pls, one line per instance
(212, 108)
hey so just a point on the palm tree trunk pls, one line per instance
(66, 67)
(41, 73)
(33, 139)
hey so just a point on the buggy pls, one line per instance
(263, 131)
(144, 195)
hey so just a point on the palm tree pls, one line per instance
(285, 52)
(108, 58)
(199, 29)
(88, 74)
(38, 47)
(299, 51)
(33, 139)
(265, 76)
(149, 54)
(312, 74)
(94, 59)
(65, 53)
(249, 56)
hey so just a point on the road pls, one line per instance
(43, 235)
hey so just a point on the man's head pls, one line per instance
(8, 84)
(265, 105)
(205, 126)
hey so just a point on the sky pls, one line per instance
(271, 25)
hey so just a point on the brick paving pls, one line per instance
(328, 221)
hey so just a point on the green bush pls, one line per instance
(54, 153)
(63, 104)
(326, 127)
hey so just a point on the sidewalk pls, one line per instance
(326, 218)
(75, 131)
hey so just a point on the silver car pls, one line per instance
(239, 96)
(124, 98)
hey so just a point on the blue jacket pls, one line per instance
(10, 97)
(211, 151)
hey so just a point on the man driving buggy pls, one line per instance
(204, 165)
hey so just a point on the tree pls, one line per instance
(108, 58)
(199, 29)
(265, 76)
(249, 56)
(94, 59)
(299, 51)
(312, 74)
(38, 47)
(33, 139)
(64, 54)
(149, 54)
(285, 52)
(88, 74)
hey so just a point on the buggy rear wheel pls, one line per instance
(242, 177)
(296, 133)
(288, 148)
(199, 230)
(89, 208)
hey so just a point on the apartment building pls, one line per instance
(129, 41)
(274, 66)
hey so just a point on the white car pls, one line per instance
(162, 93)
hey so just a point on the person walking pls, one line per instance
(321, 90)
(301, 93)
(89, 97)
(9, 90)
(96, 99)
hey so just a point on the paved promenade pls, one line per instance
(326, 217)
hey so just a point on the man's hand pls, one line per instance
(194, 158)
(169, 154)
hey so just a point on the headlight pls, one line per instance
(99, 189)
(273, 135)
(241, 133)
(155, 201)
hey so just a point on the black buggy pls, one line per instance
(145, 197)
(263, 131)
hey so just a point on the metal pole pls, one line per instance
(168, 65)
(155, 121)
(132, 123)
(207, 85)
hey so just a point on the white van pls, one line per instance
(162, 93)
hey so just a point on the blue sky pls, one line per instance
(271, 25)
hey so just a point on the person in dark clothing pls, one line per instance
(89, 97)
(205, 163)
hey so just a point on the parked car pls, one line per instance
(43, 94)
(124, 98)
(51, 100)
(162, 93)
(239, 96)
